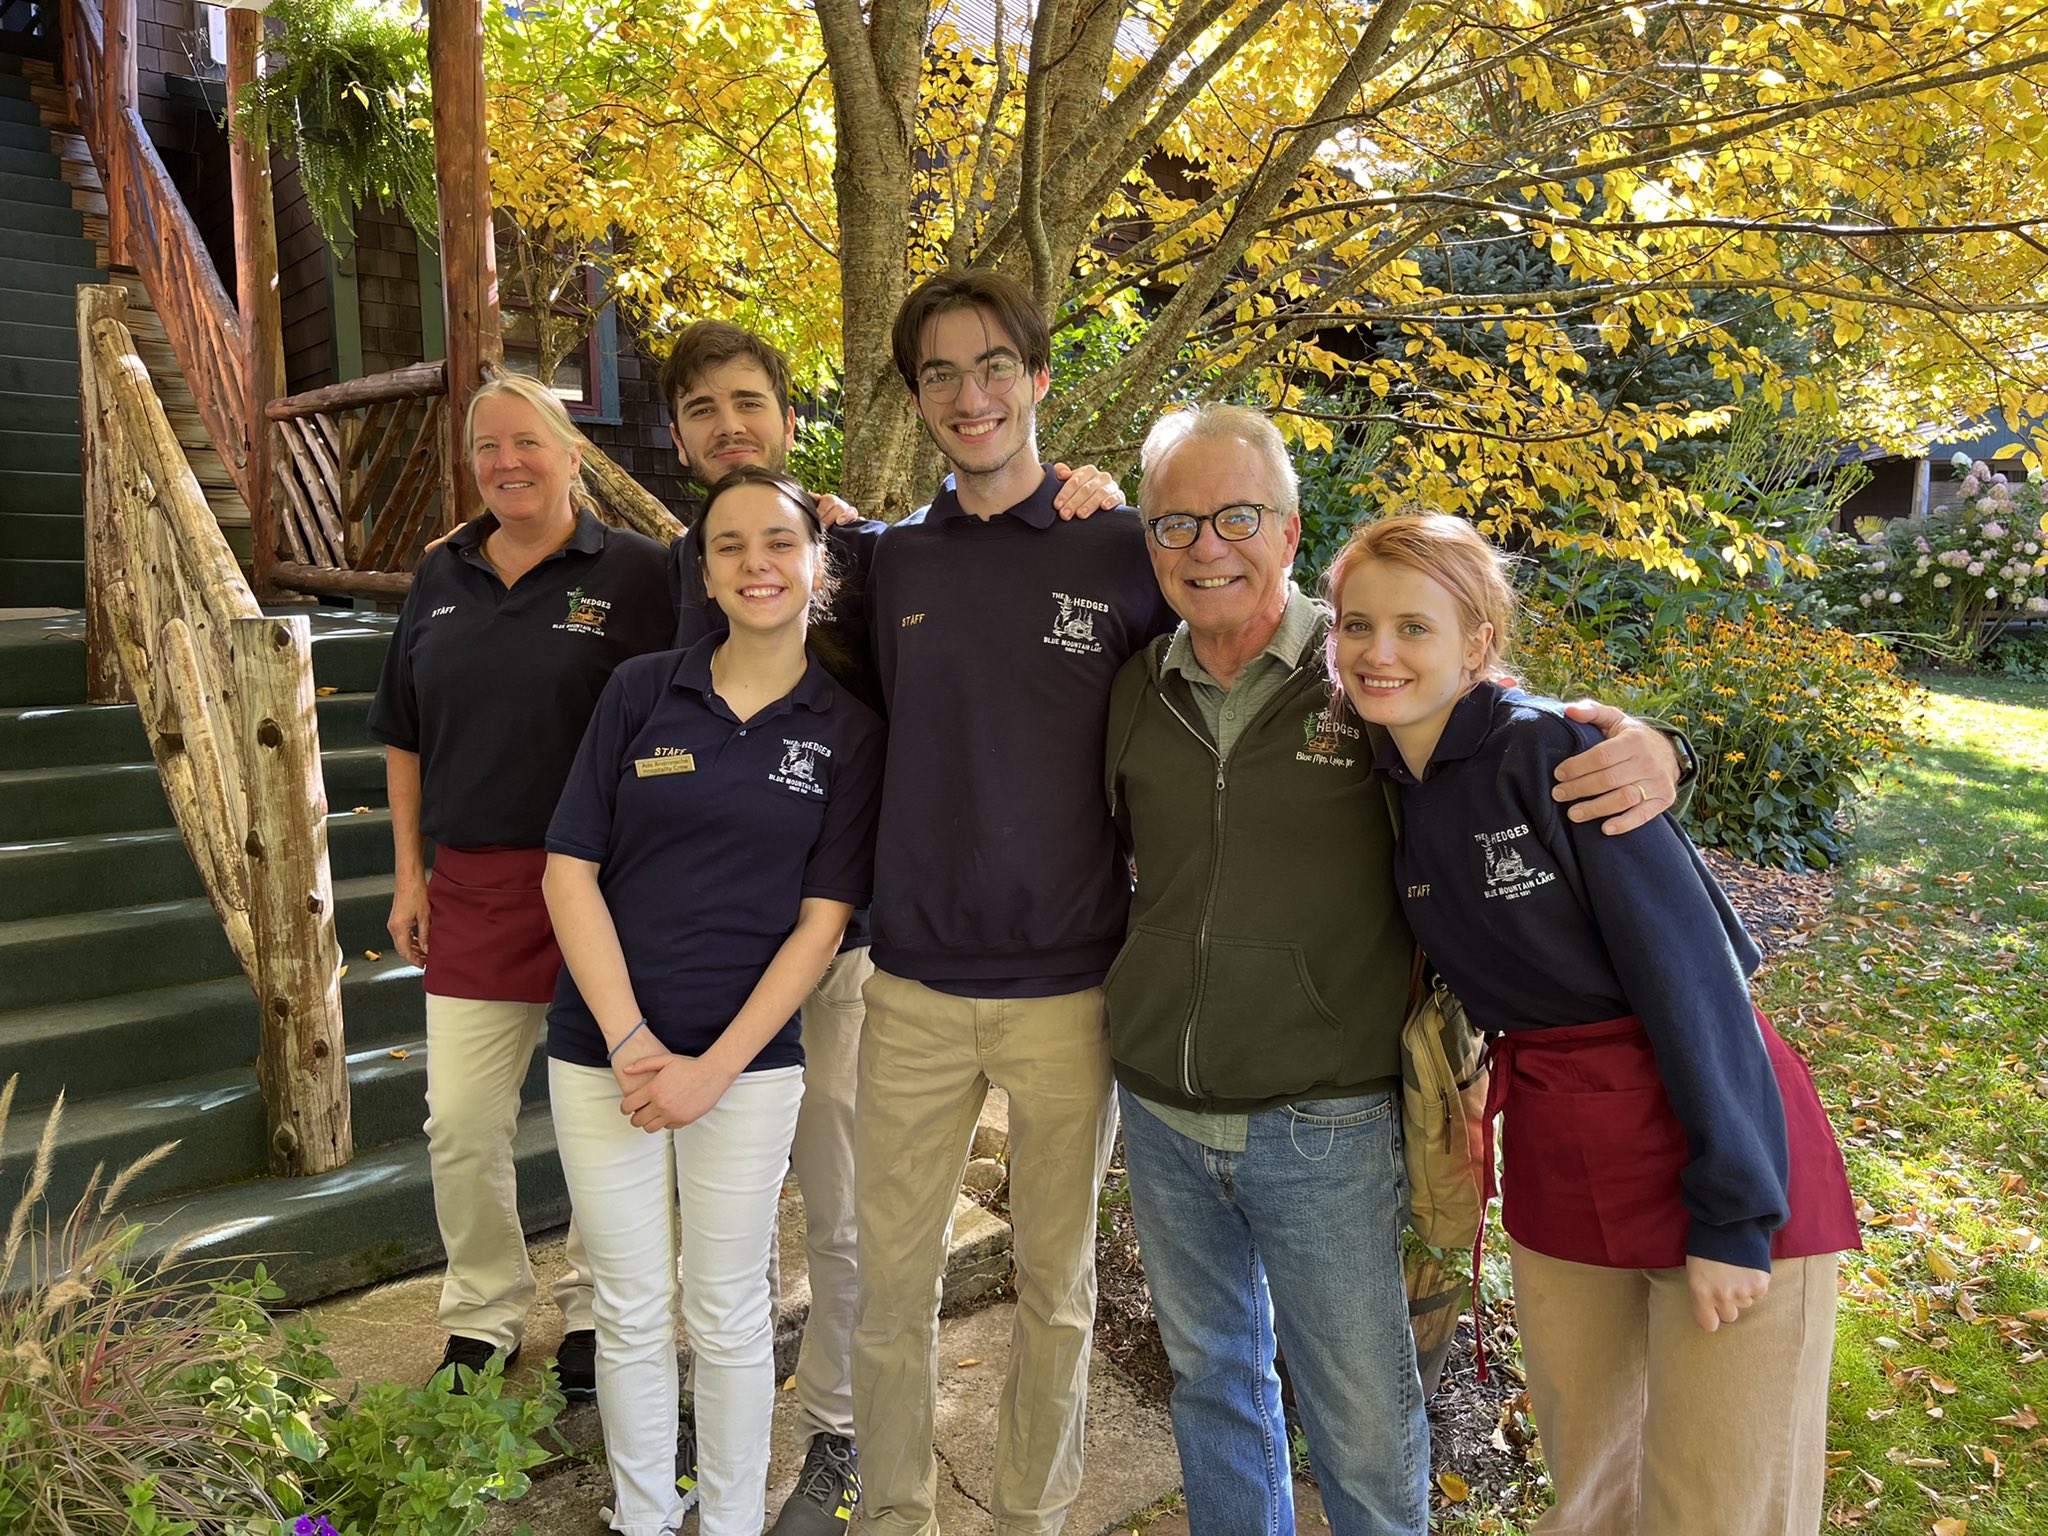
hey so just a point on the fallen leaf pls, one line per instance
(1951, 1527)
(326, 693)
(1942, 1385)
(371, 954)
(789, 1385)
(1942, 1265)
(2024, 1419)
(1455, 1488)
(402, 1055)
(970, 1360)
(361, 810)
(342, 972)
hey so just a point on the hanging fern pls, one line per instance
(347, 96)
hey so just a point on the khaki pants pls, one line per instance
(478, 1054)
(822, 1159)
(1652, 1426)
(926, 1062)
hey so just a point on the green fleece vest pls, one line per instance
(1267, 959)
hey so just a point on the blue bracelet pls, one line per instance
(614, 1051)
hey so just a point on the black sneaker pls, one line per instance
(827, 1490)
(686, 1454)
(576, 1365)
(471, 1355)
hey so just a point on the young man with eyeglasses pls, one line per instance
(1000, 901)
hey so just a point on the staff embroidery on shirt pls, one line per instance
(444, 608)
(1322, 739)
(1073, 631)
(798, 769)
(1508, 874)
(586, 614)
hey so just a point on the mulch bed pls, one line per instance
(1481, 1432)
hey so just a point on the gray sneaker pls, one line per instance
(827, 1491)
(686, 1454)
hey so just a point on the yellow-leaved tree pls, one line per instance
(1278, 192)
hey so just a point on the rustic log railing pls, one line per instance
(150, 229)
(364, 484)
(226, 695)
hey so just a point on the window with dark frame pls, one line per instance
(578, 381)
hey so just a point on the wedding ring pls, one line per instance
(1642, 794)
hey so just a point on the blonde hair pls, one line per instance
(553, 414)
(1452, 553)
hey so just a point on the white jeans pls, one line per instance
(723, 1174)
(477, 1058)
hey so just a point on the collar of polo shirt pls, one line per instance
(1035, 509)
(814, 690)
(468, 540)
(1470, 724)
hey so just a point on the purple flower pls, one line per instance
(313, 1525)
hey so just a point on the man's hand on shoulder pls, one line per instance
(1627, 781)
(834, 510)
(1088, 490)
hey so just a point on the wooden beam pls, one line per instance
(469, 262)
(104, 682)
(322, 582)
(117, 96)
(301, 1057)
(257, 295)
(408, 383)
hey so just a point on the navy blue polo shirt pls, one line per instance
(709, 834)
(492, 687)
(839, 640)
(997, 872)
(1537, 921)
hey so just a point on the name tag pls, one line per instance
(654, 767)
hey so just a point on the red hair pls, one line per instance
(1449, 551)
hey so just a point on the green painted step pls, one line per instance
(54, 376)
(42, 661)
(30, 341)
(23, 130)
(56, 413)
(47, 451)
(50, 191)
(218, 1121)
(81, 955)
(43, 219)
(11, 81)
(18, 244)
(34, 276)
(162, 1034)
(50, 307)
(52, 736)
(41, 536)
(42, 490)
(38, 803)
(28, 160)
(51, 877)
(41, 583)
(360, 1224)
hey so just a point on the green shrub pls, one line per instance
(1789, 717)
(155, 1397)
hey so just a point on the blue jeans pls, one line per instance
(1299, 1237)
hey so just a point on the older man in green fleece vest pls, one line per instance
(1256, 1005)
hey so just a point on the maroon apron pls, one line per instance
(488, 935)
(1593, 1151)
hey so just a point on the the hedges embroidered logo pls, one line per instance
(798, 769)
(1322, 739)
(1073, 631)
(586, 614)
(1508, 874)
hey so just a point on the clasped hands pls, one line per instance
(661, 1091)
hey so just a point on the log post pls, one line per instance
(118, 95)
(257, 296)
(301, 1060)
(469, 259)
(104, 682)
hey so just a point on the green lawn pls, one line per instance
(1922, 1006)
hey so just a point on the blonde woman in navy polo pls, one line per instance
(511, 628)
(1673, 1192)
(714, 836)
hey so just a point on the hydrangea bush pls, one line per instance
(1953, 580)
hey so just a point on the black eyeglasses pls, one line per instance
(1177, 530)
(996, 375)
